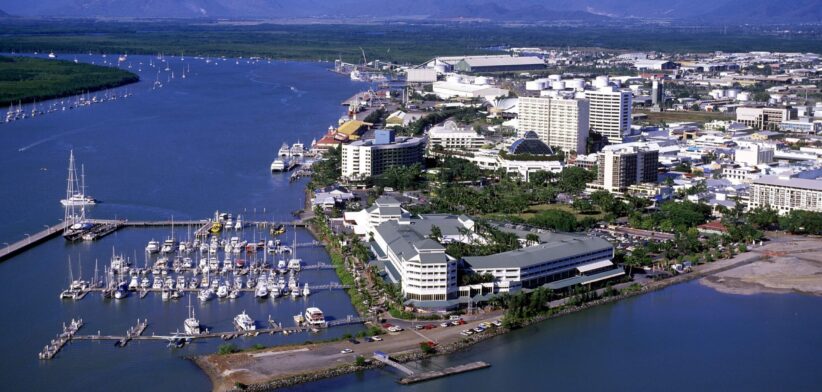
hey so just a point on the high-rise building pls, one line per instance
(366, 158)
(559, 123)
(610, 112)
(658, 95)
(622, 166)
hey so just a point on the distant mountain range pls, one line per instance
(713, 11)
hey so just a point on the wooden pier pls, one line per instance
(430, 375)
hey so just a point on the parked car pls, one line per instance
(354, 341)
(445, 324)
(376, 338)
(346, 351)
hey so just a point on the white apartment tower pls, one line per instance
(610, 112)
(561, 123)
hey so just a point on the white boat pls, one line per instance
(283, 164)
(297, 149)
(261, 291)
(132, 286)
(295, 264)
(306, 291)
(120, 293)
(52, 55)
(244, 323)
(169, 246)
(191, 325)
(78, 200)
(222, 290)
(77, 196)
(205, 294)
(234, 294)
(284, 152)
(153, 246)
(314, 317)
(238, 225)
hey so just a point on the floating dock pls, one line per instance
(57, 344)
(104, 227)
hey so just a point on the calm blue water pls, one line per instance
(205, 143)
(683, 338)
(194, 146)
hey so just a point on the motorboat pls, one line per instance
(261, 291)
(134, 284)
(306, 291)
(169, 246)
(205, 295)
(314, 317)
(191, 325)
(244, 323)
(222, 291)
(153, 246)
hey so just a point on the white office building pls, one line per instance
(449, 136)
(786, 194)
(366, 158)
(559, 123)
(753, 154)
(610, 112)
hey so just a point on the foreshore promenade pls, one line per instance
(279, 367)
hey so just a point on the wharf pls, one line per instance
(32, 240)
(430, 375)
(104, 227)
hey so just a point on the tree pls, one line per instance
(582, 205)
(573, 179)
(554, 219)
(532, 238)
(764, 218)
(802, 222)
(436, 233)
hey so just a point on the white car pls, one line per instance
(346, 351)
(445, 324)
(376, 338)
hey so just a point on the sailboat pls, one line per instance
(294, 264)
(76, 194)
(76, 223)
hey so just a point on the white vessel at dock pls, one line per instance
(283, 164)
(244, 323)
(314, 317)
(191, 325)
(153, 246)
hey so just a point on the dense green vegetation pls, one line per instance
(400, 42)
(26, 79)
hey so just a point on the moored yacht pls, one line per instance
(153, 246)
(191, 325)
(314, 317)
(244, 323)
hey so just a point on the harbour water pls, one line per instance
(185, 150)
(683, 338)
(204, 143)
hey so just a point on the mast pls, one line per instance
(69, 207)
(83, 179)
